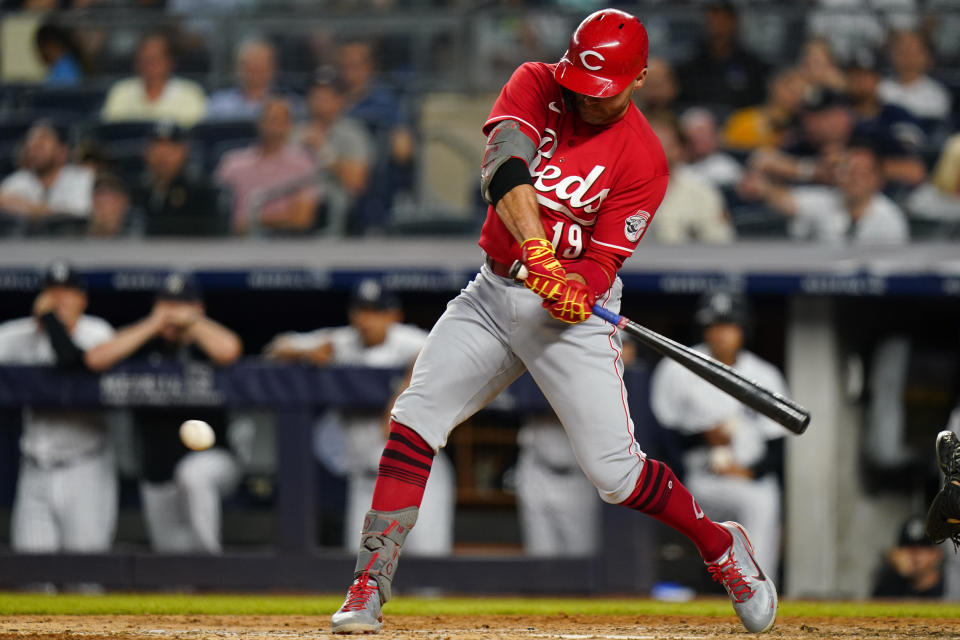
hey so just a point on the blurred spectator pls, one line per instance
(939, 200)
(827, 125)
(350, 442)
(273, 182)
(913, 568)
(256, 75)
(60, 53)
(343, 148)
(692, 208)
(155, 94)
(910, 87)
(172, 202)
(47, 186)
(732, 454)
(371, 101)
(704, 156)
(181, 489)
(895, 133)
(819, 68)
(722, 71)
(66, 497)
(386, 117)
(659, 92)
(768, 124)
(852, 24)
(946, 173)
(855, 210)
(111, 216)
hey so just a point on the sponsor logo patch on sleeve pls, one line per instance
(634, 225)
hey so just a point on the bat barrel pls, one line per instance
(773, 405)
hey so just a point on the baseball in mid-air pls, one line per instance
(197, 435)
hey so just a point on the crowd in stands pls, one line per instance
(853, 139)
(161, 158)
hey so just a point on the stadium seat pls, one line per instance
(83, 102)
(116, 131)
(219, 130)
(122, 141)
(210, 140)
(13, 129)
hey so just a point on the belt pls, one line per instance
(501, 269)
(77, 458)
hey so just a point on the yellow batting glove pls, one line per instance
(546, 276)
(574, 305)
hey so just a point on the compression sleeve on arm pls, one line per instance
(69, 355)
(511, 173)
(598, 268)
(509, 152)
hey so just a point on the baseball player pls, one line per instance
(573, 174)
(943, 517)
(66, 496)
(558, 506)
(732, 454)
(182, 489)
(350, 442)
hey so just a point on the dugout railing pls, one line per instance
(296, 395)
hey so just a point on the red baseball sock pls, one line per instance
(661, 495)
(404, 469)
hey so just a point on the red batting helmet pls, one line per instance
(607, 51)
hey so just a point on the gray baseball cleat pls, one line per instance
(360, 612)
(753, 594)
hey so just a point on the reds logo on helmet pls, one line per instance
(607, 51)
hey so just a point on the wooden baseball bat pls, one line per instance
(773, 405)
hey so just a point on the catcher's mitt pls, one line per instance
(943, 518)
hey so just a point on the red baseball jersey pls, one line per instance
(598, 186)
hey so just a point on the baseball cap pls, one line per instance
(371, 293)
(61, 273)
(168, 130)
(179, 287)
(913, 533)
(821, 98)
(721, 307)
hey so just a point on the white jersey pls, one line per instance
(685, 402)
(51, 436)
(401, 346)
(822, 216)
(363, 440)
(71, 193)
(925, 98)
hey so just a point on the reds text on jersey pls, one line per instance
(598, 186)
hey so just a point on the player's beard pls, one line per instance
(600, 111)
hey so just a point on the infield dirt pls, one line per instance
(558, 627)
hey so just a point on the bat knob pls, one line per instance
(518, 271)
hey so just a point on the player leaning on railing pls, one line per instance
(573, 174)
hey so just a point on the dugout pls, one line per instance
(817, 311)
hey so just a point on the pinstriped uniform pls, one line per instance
(67, 486)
